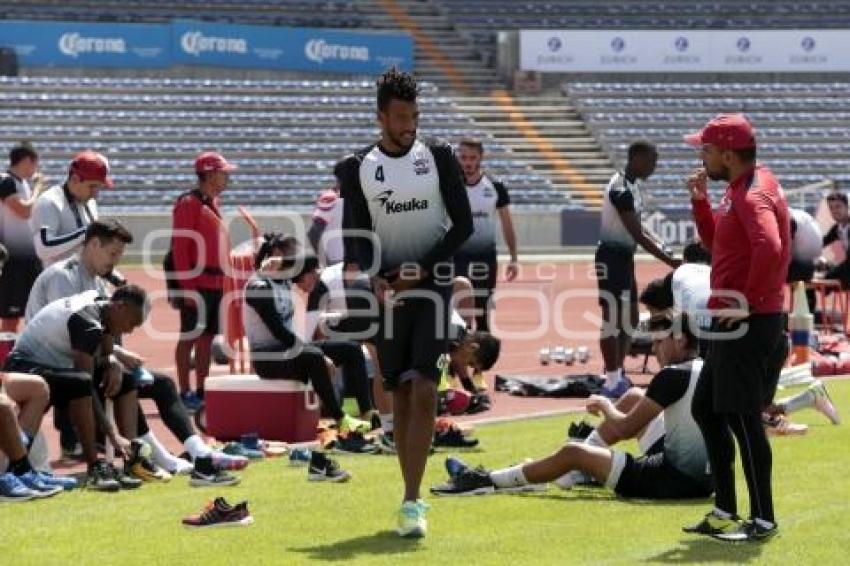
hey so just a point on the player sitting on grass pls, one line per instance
(23, 401)
(674, 467)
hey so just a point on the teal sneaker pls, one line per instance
(411, 519)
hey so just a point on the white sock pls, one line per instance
(387, 422)
(594, 439)
(509, 477)
(764, 524)
(568, 480)
(612, 378)
(160, 454)
(196, 447)
(802, 400)
(721, 514)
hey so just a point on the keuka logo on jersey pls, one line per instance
(394, 206)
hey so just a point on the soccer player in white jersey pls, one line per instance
(405, 213)
(18, 200)
(621, 230)
(673, 464)
(476, 258)
(806, 247)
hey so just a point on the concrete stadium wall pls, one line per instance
(537, 231)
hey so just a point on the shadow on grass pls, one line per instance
(707, 550)
(383, 542)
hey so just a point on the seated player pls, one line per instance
(276, 350)
(674, 467)
(90, 270)
(62, 344)
(23, 400)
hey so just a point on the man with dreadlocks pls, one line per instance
(406, 212)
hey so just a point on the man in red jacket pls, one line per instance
(749, 236)
(200, 248)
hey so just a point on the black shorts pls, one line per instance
(414, 334)
(740, 375)
(65, 384)
(652, 477)
(16, 282)
(205, 317)
(481, 269)
(615, 272)
(800, 270)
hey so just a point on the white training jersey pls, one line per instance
(61, 328)
(807, 241)
(328, 211)
(620, 196)
(269, 310)
(486, 197)
(16, 232)
(691, 286)
(59, 222)
(62, 279)
(329, 296)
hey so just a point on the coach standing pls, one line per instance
(200, 248)
(750, 241)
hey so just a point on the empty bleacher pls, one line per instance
(480, 21)
(801, 127)
(285, 135)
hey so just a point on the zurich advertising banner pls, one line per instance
(72, 44)
(604, 51)
(297, 49)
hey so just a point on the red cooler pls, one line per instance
(275, 409)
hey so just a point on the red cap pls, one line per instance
(91, 166)
(212, 161)
(726, 131)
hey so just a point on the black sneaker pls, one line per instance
(478, 403)
(467, 482)
(100, 477)
(206, 474)
(580, 430)
(749, 531)
(124, 479)
(323, 468)
(453, 437)
(354, 443)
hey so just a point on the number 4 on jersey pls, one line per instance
(379, 173)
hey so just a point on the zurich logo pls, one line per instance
(555, 43)
(743, 44)
(681, 43)
(618, 44)
(808, 43)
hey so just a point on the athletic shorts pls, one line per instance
(414, 334)
(481, 269)
(205, 317)
(65, 384)
(651, 476)
(615, 272)
(740, 375)
(16, 282)
(800, 270)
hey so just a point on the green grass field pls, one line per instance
(298, 522)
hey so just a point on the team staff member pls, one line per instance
(24, 266)
(61, 214)
(620, 231)
(200, 248)
(476, 257)
(750, 242)
(58, 227)
(838, 209)
(406, 193)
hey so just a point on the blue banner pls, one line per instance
(72, 44)
(296, 49)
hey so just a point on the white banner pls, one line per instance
(624, 51)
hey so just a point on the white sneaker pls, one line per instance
(823, 402)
